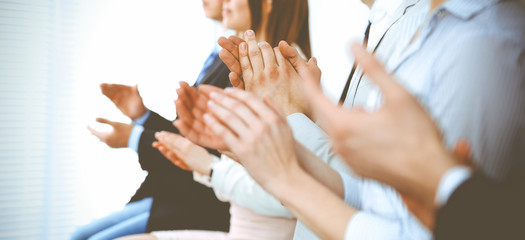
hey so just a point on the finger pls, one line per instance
(281, 61)
(236, 40)
(256, 105)
(230, 119)
(234, 106)
(229, 46)
(290, 53)
(105, 121)
(106, 89)
(236, 81)
(270, 63)
(462, 153)
(254, 52)
(100, 135)
(227, 136)
(192, 117)
(207, 89)
(244, 60)
(156, 144)
(231, 62)
(188, 90)
(377, 73)
(173, 141)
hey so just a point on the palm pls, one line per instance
(126, 98)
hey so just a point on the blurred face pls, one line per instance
(212, 9)
(236, 15)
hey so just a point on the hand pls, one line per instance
(230, 56)
(191, 106)
(118, 138)
(171, 156)
(398, 144)
(426, 215)
(126, 98)
(257, 133)
(265, 71)
(193, 157)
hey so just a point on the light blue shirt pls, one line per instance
(137, 130)
(467, 68)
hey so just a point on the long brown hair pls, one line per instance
(288, 21)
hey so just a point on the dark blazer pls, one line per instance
(178, 201)
(482, 208)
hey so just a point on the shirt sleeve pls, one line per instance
(311, 136)
(379, 204)
(134, 137)
(231, 181)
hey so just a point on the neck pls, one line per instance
(435, 4)
(369, 3)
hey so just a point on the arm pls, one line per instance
(231, 181)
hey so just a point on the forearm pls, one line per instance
(319, 170)
(231, 181)
(314, 153)
(315, 205)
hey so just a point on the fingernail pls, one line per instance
(228, 90)
(211, 104)
(243, 46)
(250, 33)
(214, 95)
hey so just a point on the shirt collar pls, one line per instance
(465, 8)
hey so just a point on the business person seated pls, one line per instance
(254, 213)
(168, 198)
(398, 144)
(510, 88)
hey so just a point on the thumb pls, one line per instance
(293, 56)
(105, 121)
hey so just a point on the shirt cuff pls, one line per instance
(449, 182)
(134, 137)
(205, 179)
(142, 119)
(352, 191)
(364, 225)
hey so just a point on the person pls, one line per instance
(167, 198)
(306, 132)
(399, 144)
(255, 213)
(513, 74)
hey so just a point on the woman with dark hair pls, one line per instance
(254, 213)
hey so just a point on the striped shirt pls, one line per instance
(467, 68)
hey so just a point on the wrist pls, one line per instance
(207, 166)
(283, 185)
(430, 174)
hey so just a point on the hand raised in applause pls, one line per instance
(118, 137)
(126, 98)
(256, 132)
(267, 71)
(183, 153)
(191, 105)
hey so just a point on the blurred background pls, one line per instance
(55, 176)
